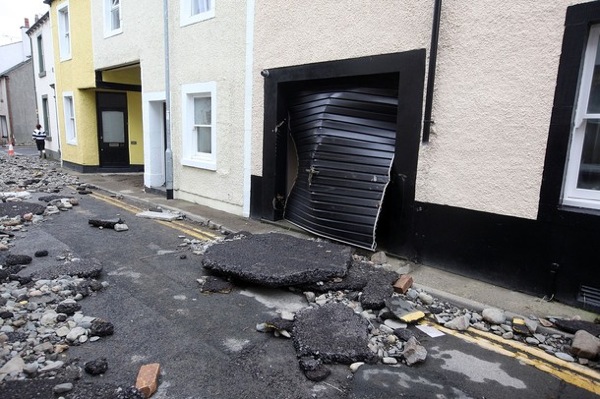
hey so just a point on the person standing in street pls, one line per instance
(39, 136)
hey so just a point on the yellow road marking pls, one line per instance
(571, 373)
(177, 225)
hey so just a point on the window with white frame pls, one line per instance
(64, 31)
(581, 187)
(40, 54)
(70, 127)
(112, 17)
(46, 116)
(192, 11)
(199, 125)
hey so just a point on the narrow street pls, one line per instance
(208, 345)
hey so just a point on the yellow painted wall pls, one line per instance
(130, 75)
(136, 131)
(76, 75)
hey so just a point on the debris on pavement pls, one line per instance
(147, 379)
(165, 216)
(107, 223)
(96, 366)
(214, 284)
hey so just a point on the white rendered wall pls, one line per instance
(495, 81)
(140, 41)
(211, 51)
(42, 84)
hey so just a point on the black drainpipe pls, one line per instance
(435, 35)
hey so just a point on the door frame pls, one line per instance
(268, 189)
(114, 106)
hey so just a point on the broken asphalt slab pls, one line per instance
(343, 338)
(278, 260)
(12, 209)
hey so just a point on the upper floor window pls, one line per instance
(193, 11)
(112, 17)
(40, 54)
(64, 31)
(199, 127)
(582, 178)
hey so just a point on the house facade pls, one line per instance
(499, 182)
(42, 49)
(445, 133)
(17, 101)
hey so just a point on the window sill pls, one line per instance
(113, 33)
(67, 58)
(72, 142)
(200, 164)
(579, 210)
(196, 18)
(42, 74)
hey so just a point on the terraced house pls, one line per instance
(463, 135)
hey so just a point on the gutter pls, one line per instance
(168, 151)
(435, 35)
(250, 5)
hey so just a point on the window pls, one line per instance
(64, 32)
(582, 178)
(70, 128)
(40, 53)
(112, 17)
(193, 11)
(46, 116)
(199, 125)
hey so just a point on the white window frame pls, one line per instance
(64, 30)
(109, 30)
(191, 157)
(186, 16)
(573, 196)
(39, 41)
(70, 120)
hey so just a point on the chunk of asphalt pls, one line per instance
(105, 223)
(342, 339)
(216, 284)
(12, 209)
(84, 268)
(572, 326)
(355, 280)
(378, 289)
(278, 260)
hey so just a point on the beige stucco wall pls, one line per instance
(141, 40)
(211, 51)
(496, 74)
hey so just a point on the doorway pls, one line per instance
(113, 137)
(399, 73)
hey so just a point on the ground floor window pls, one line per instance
(582, 178)
(199, 127)
(46, 116)
(69, 111)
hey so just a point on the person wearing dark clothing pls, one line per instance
(39, 136)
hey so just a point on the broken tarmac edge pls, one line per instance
(442, 295)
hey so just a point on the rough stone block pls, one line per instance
(585, 345)
(147, 379)
(403, 283)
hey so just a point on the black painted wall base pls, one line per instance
(99, 169)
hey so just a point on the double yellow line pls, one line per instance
(572, 373)
(197, 233)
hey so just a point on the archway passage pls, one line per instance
(345, 141)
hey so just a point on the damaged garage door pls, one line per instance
(345, 142)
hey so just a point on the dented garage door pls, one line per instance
(345, 142)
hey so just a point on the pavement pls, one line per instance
(459, 290)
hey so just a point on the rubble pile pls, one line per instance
(34, 175)
(388, 305)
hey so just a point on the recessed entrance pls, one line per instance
(112, 129)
